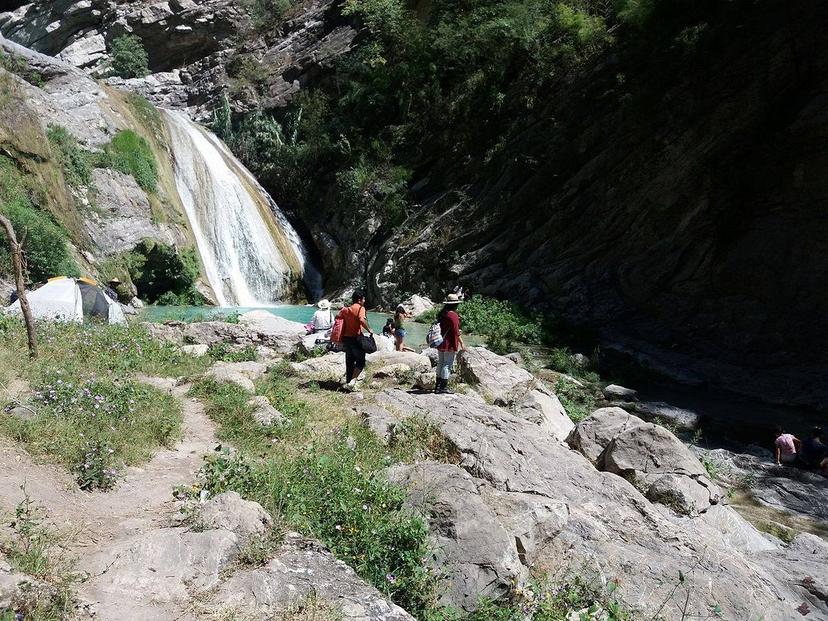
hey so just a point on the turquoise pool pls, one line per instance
(302, 314)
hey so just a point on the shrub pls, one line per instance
(74, 160)
(503, 323)
(370, 188)
(164, 275)
(130, 154)
(45, 242)
(129, 58)
(19, 67)
(222, 351)
(265, 13)
(578, 402)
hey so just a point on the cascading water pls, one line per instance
(252, 256)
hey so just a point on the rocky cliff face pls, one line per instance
(683, 216)
(196, 50)
(110, 214)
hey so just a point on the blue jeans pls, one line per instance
(445, 360)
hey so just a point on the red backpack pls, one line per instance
(336, 331)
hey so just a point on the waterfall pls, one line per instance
(251, 254)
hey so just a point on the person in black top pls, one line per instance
(813, 449)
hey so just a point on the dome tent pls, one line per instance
(71, 299)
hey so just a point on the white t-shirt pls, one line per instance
(322, 320)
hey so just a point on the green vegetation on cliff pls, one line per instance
(77, 163)
(131, 154)
(44, 241)
(129, 57)
(451, 83)
(159, 272)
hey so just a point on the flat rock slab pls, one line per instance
(240, 373)
(153, 573)
(255, 329)
(789, 489)
(301, 569)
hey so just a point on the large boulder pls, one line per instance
(648, 456)
(542, 407)
(506, 384)
(662, 467)
(229, 511)
(267, 329)
(592, 436)
(601, 521)
(264, 413)
(255, 329)
(327, 368)
(243, 374)
(614, 392)
(496, 377)
(416, 305)
(471, 545)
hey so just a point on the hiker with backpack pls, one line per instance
(445, 337)
(353, 322)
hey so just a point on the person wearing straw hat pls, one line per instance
(322, 320)
(452, 341)
(111, 289)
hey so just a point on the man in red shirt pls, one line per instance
(353, 322)
(452, 342)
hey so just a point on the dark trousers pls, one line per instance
(354, 357)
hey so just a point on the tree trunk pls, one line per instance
(17, 262)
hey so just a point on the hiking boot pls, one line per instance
(442, 387)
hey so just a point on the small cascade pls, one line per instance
(251, 254)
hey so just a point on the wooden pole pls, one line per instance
(17, 262)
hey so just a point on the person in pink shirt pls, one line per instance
(787, 447)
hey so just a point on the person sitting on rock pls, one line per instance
(322, 320)
(787, 447)
(452, 342)
(388, 328)
(353, 323)
(813, 449)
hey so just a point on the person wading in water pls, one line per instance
(353, 323)
(452, 342)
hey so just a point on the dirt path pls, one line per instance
(141, 502)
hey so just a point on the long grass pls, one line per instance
(85, 407)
